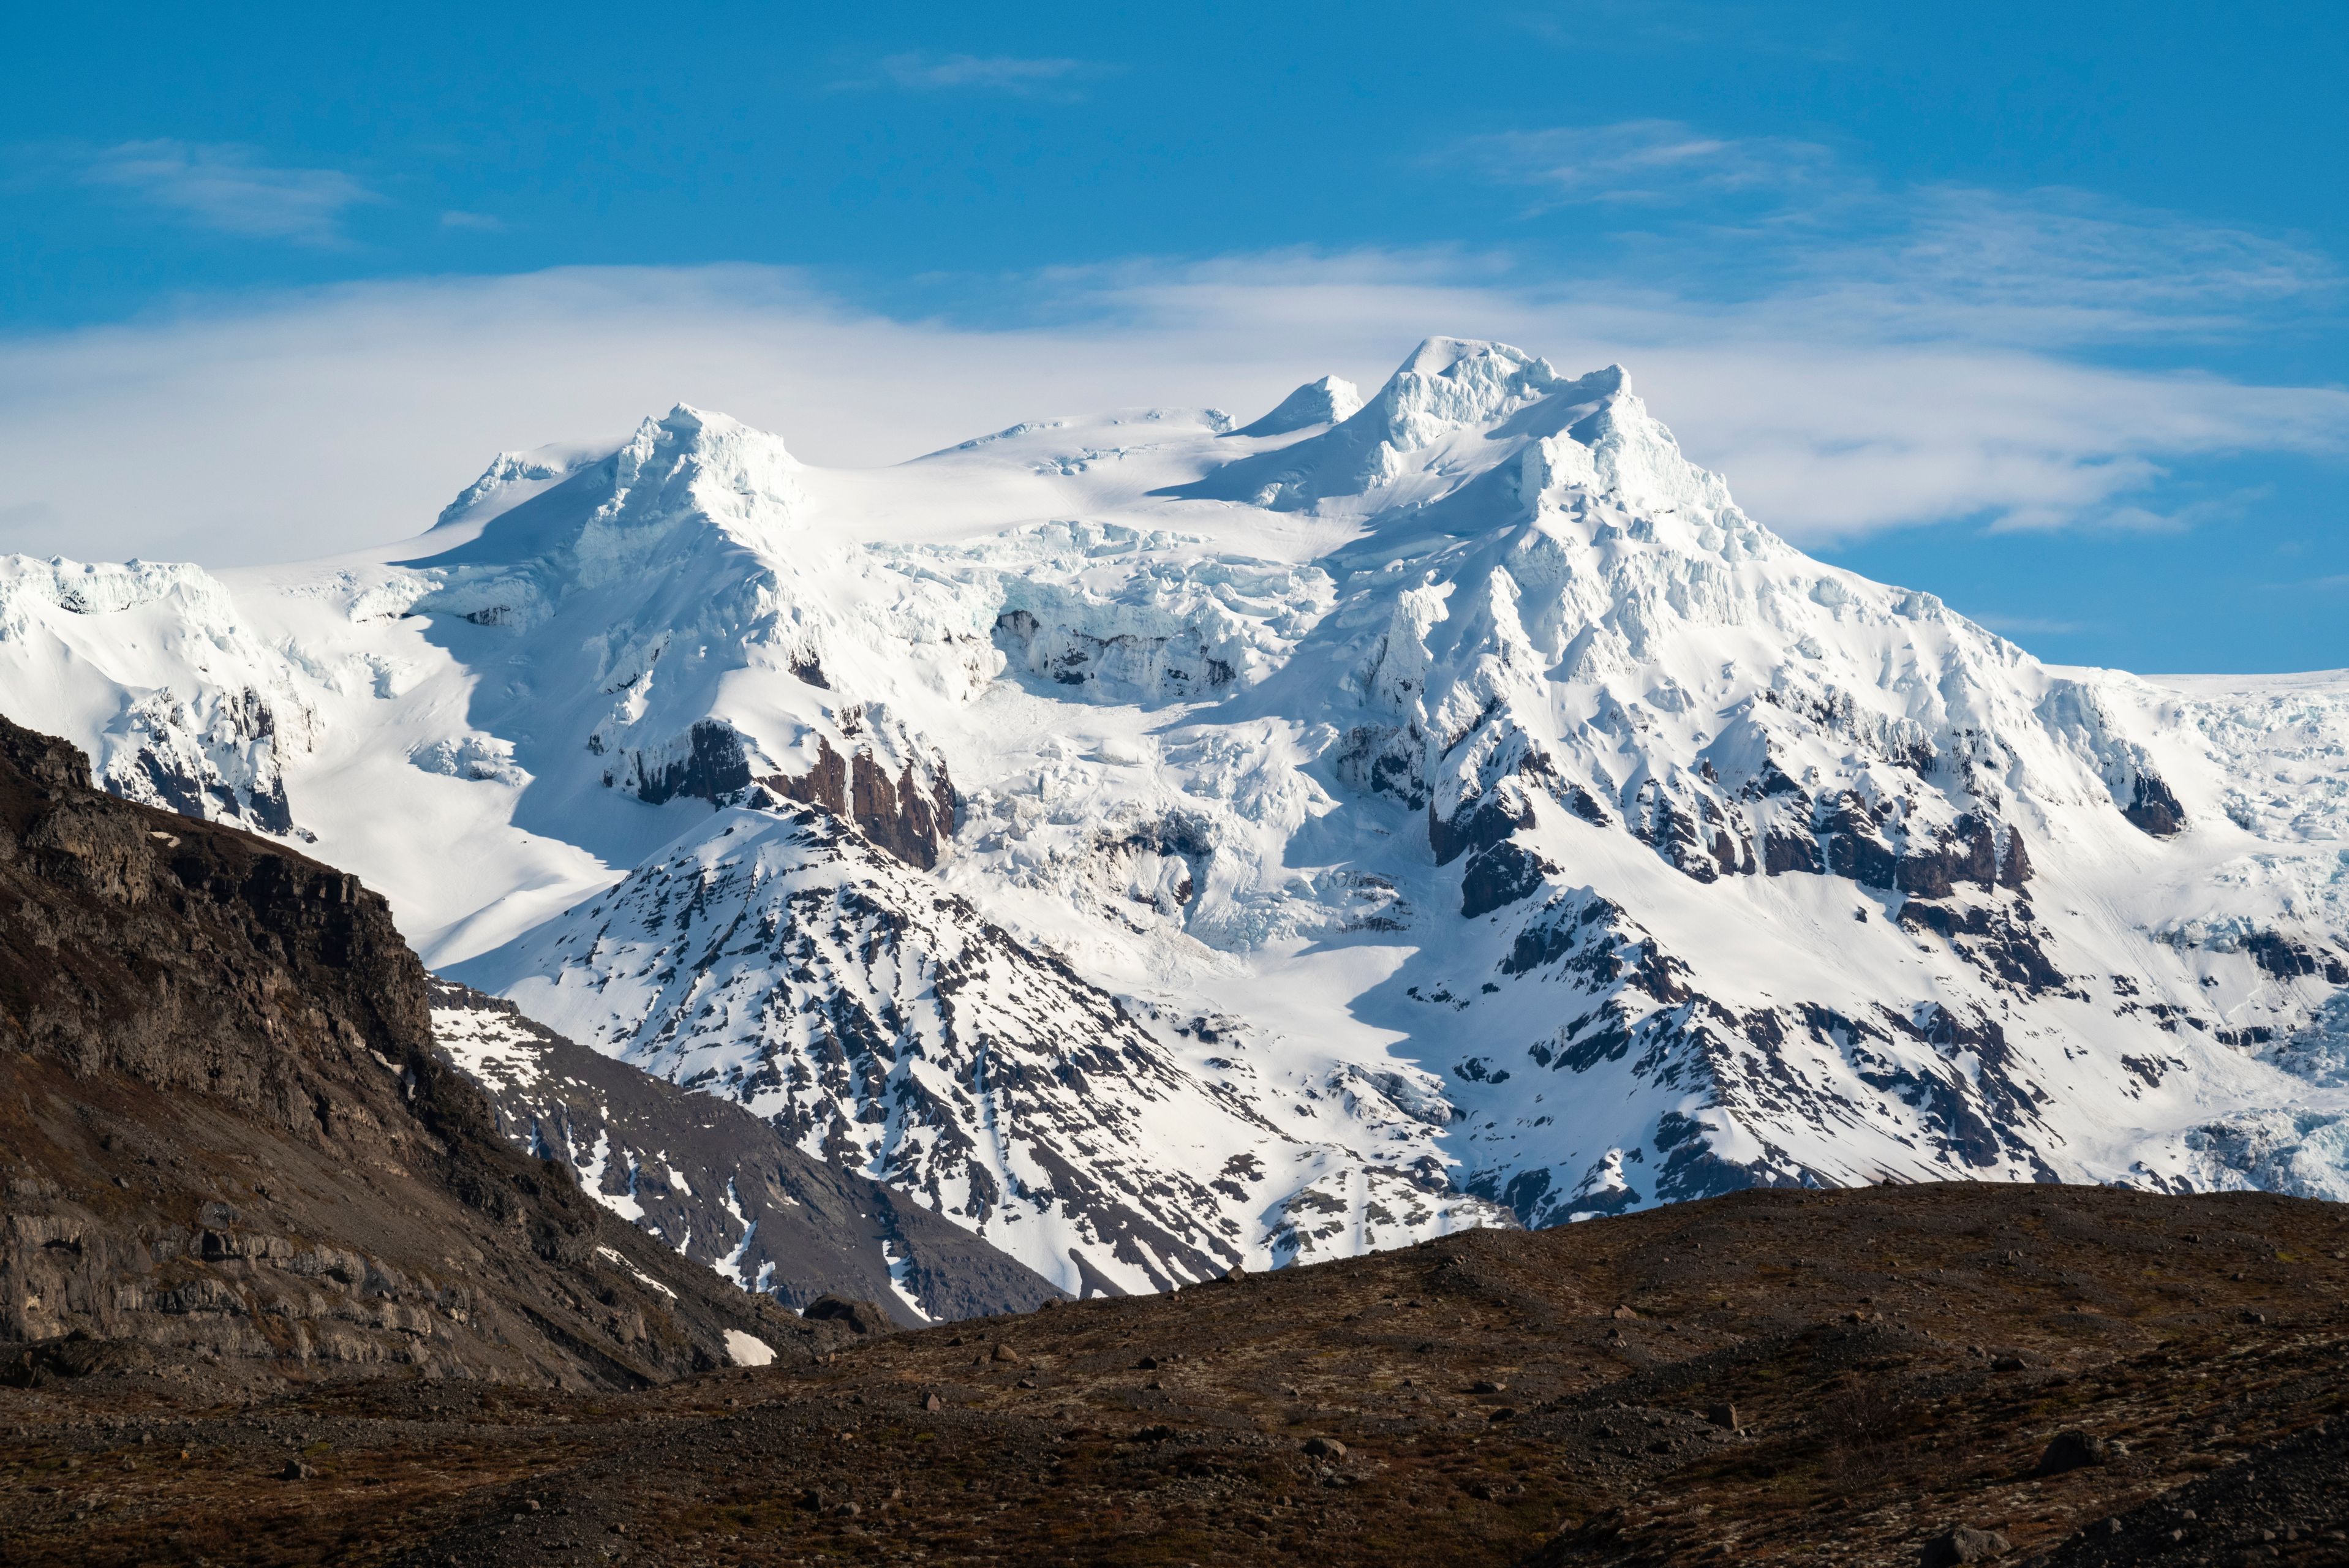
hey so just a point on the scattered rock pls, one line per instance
(1234, 1274)
(1325, 1448)
(1962, 1544)
(933, 1404)
(1724, 1416)
(1004, 1353)
(1623, 1314)
(296, 1470)
(1487, 1386)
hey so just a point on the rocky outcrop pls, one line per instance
(2152, 809)
(910, 817)
(228, 1138)
(711, 764)
(1499, 875)
(911, 814)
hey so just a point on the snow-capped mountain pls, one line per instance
(1158, 845)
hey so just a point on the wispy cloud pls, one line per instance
(1018, 75)
(2050, 262)
(227, 188)
(2030, 625)
(2125, 516)
(1756, 220)
(1644, 162)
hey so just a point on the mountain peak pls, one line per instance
(1439, 355)
(1448, 383)
(1328, 401)
(1454, 408)
(689, 465)
(706, 436)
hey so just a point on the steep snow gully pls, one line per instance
(1155, 845)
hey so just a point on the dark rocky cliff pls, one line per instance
(229, 1144)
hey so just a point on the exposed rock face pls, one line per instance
(717, 1184)
(2154, 809)
(227, 1136)
(708, 765)
(909, 816)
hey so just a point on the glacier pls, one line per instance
(1160, 845)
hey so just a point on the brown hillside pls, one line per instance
(1766, 1378)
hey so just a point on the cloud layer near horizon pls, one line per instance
(302, 425)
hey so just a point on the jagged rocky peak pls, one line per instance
(1330, 400)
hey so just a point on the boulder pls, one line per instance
(861, 1316)
(1962, 1544)
(2071, 1451)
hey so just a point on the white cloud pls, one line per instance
(227, 188)
(1021, 76)
(320, 421)
(481, 222)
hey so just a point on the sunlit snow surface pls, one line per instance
(1362, 828)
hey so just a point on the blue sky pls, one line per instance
(2037, 307)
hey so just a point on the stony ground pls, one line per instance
(1768, 1378)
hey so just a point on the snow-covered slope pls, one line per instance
(1384, 817)
(716, 1183)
